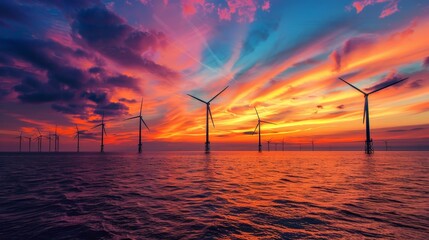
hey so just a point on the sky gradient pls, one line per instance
(66, 62)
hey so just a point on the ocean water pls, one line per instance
(223, 195)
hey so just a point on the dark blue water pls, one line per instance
(233, 195)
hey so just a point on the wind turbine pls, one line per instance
(39, 141)
(103, 132)
(49, 137)
(283, 144)
(56, 140)
(208, 111)
(20, 141)
(368, 142)
(258, 126)
(78, 136)
(312, 145)
(140, 126)
(268, 143)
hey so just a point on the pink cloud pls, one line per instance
(244, 9)
(266, 5)
(191, 7)
(388, 10)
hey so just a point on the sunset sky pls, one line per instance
(65, 62)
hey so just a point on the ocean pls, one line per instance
(222, 195)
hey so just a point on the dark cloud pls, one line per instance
(123, 81)
(95, 70)
(109, 34)
(111, 109)
(96, 97)
(70, 108)
(306, 63)
(416, 84)
(389, 79)
(319, 106)
(258, 35)
(406, 130)
(248, 133)
(125, 100)
(426, 62)
(341, 106)
(32, 90)
(12, 12)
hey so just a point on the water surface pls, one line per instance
(238, 195)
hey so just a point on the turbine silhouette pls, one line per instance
(20, 141)
(103, 132)
(208, 112)
(78, 137)
(268, 143)
(140, 126)
(258, 126)
(29, 143)
(368, 142)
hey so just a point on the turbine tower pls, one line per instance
(283, 144)
(78, 137)
(208, 112)
(103, 132)
(56, 140)
(258, 126)
(20, 141)
(39, 141)
(29, 143)
(49, 137)
(368, 142)
(268, 143)
(140, 126)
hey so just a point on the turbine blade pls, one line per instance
(105, 133)
(268, 122)
(254, 131)
(218, 94)
(131, 118)
(39, 131)
(211, 117)
(77, 129)
(257, 114)
(141, 105)
(196, 98)
(144, 123)
(91, 128)
(388, 85)
(352, 86)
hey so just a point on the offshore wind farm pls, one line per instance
(214, 119)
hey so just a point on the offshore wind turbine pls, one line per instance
(208, 112)
(20, 141)
(103, 132)
(49, 137)
(39, 141)
(140, 126)
(368, 142)
(258, 126)
(78, 137)
(56, 140)
(268, 143)
(283, 144)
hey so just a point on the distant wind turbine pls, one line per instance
(312, 145)
(103, 132)
(39, 141)
(208, 112)
(283, 144)
(20, 141)
(368, 142)
(140, 126)
(49, 137)
(268, 143)
(258, 126)
(56, 140)
(78, 137)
